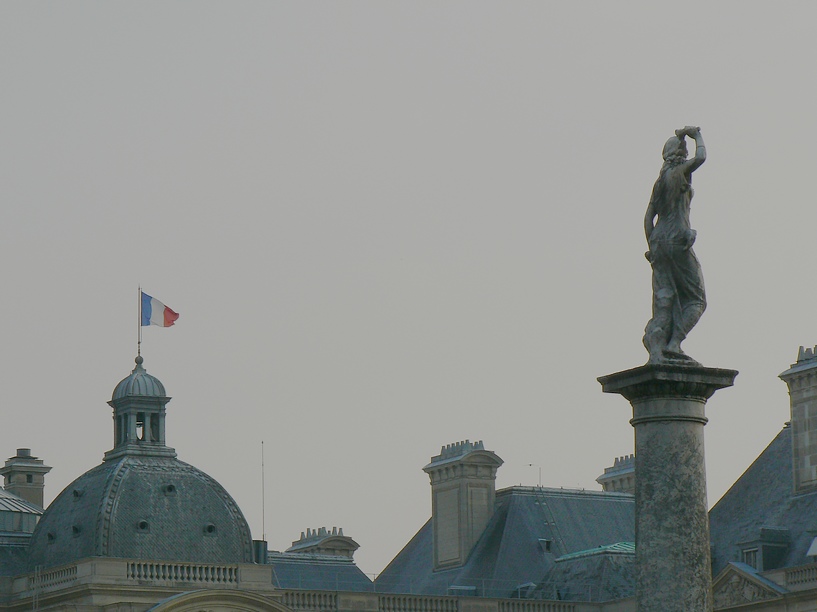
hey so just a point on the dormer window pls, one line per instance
(749, 557)
(768, 551)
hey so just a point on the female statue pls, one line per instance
(678, 296)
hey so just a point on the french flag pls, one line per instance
(156, 313)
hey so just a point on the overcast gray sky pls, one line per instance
(389, 226)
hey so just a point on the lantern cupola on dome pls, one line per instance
(141, 502)
(138, 404)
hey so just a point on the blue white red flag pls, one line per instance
(156, 313)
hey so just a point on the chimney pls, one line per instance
(24, 476)
(619, 477)
(463, 490)
(801, 379)
(321, 541)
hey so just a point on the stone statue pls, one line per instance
(678, 296)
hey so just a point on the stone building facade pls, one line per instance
(145, 531)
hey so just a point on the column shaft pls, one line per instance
(672, 526)
(673, 565)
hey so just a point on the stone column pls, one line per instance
(673, 567)
(131, 421)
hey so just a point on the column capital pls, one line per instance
(671, 381)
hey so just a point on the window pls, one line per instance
(29, 478)
(749, 557)
(140, 426)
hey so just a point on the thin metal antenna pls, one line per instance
(263, 497)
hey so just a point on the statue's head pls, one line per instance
(675, 149)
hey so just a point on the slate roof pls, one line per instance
(13, 557)
(317, 572)
(18, 518)
(11, 503)
(512, 550)
(619, 548)
(139, 384)
(762, 498)
(156, 508)
(603, 574)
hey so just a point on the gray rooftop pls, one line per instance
(603, 574)
(11, 503)
(317, 572)
(530, 529)
(761, 505)
(139, 384)
(143, 508)
(18, 519)
(13, 557)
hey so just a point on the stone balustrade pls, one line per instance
(801, 577)
(124, 572)
(520, 605)
(330, 601)
(52, 579)
(108, 574)
(310, 601)
(416, 603)
(161, 572)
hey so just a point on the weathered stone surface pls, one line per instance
(734, 589)
(357, 602)
(679, 298)
(463, 491)
(672, 530)
(801, 379)
(673, 572)
(671, 380)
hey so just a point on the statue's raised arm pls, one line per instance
(700, 150)
(679, 298)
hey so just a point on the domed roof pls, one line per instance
(139, 384)
(142, 507)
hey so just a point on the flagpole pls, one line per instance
(139, 326)
(263, 498)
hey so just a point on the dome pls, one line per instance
(143, 507)
(139, 384)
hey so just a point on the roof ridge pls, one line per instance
(618, 548)
(562, 492)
